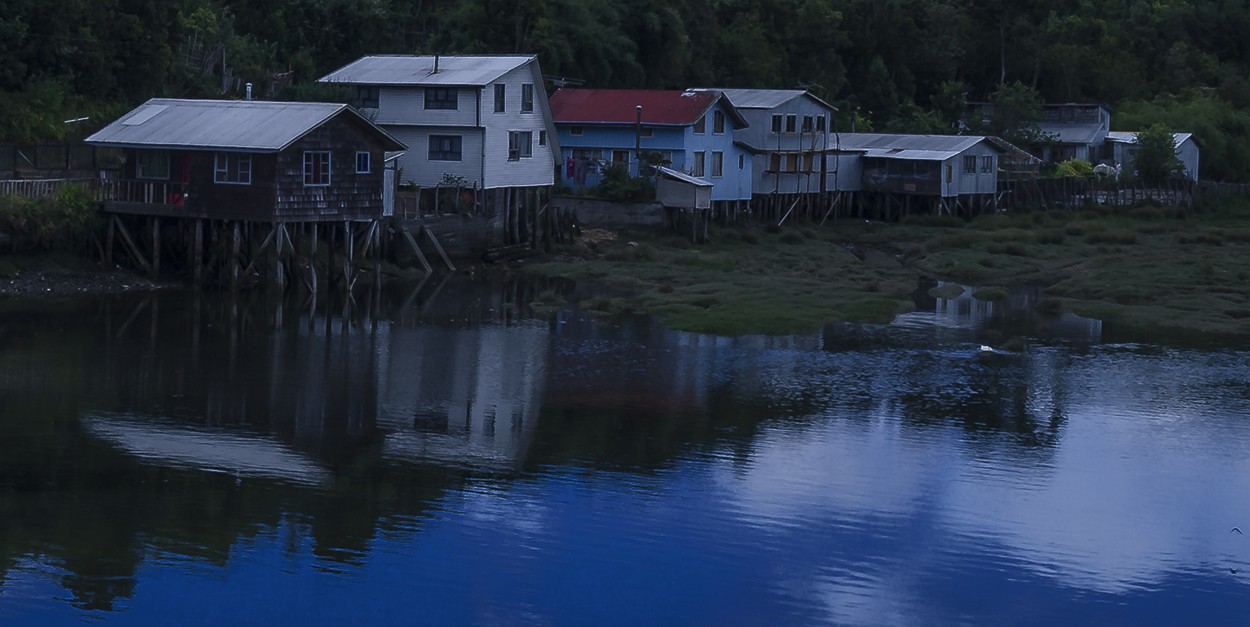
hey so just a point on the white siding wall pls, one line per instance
(416, 167)
(537, 170)
(1188, 154)
(977, 182)
(406, 105)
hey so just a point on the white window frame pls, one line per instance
(718, 122)
(501, 97)
(450, 103)
(145, 159)
(575, 130)
(700, 125)
(697, 170)
(718, 164)
(792, 122)
(224, 174)
(527, 97)
(454, 146)
(315, 168)
(776, 123)
(987, 165)
(970, 160)
(364, 158)
(520, 145)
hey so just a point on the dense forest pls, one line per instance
(903, 65)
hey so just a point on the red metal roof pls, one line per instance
(618, 106)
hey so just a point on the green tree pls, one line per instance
(1156, 154)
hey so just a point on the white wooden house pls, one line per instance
(1123, 151)
(477, 121)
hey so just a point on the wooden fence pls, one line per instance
(1075, 191)
(43, 188)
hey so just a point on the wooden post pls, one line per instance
(156, 246)
(236, 243)
(197, 252)
(108, 246)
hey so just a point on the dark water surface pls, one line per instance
(438, 456)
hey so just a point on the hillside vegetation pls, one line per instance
(903, 65)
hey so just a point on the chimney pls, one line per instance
(248, 92)
(435, 65)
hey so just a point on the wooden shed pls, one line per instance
(248, 160)
(678, 190)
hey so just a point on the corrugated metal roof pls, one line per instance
(1130, 137)
(1072, 133)
(682, 176)
(767, 98)
(467, 70)
(238, 125)
(618, 106)
(912, 147)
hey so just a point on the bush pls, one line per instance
(1074, 167)
(67, 221)
(618, 185)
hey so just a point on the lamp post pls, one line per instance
(638, 139)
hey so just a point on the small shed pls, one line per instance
(248, 160)
(1123, 147)
(681, 191)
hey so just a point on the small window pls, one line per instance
(232, 169)
(440, 98)
(542, 138)
(700, 125)
(316, 168)
(791, 122)
(152, 164)
(741, 161)
(718, 163)
(698, 163)
(774, 162)
(369, 96)
(445, 148)
(807, 124)
(987, 165)
(575, 130)
(970, 165)
(809, 162)
(501, 92)
(527, 98)
(776, 123)
(520, 145)
(620, 156)
(646, 131)
(792, 163)
(718, 122)
(820, 124)
(364, 162)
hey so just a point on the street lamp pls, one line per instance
(638, 139)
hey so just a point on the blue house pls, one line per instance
(688, 131)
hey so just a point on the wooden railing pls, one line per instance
(41, 188)
(147, 192)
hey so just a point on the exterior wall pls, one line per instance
(846, 172)
(680, 194)
(605, 139)
(406, 105)
(1125, 154)
(535, 170)
(760, 136)
(979, 182)
(417, 168)
(735, 181)
(1187, 152)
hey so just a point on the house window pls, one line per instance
(586, 154)
(152, 164)
(809, 162)
(501, 91)
(369, 96)
(698, 163)
(807, 124)
(646, 131)
(774, 162)
(234, 169)
(820, 124)
(620, 156)
(792, 162)
(316, 168)
(364, 162)
(445, 148)
(718, 122)
(700, 125)
(791, 122)
(987, 165)
(542, 138)
(970, 165)
(575, 130)
(718, 163)
(776, 123)
(741, 161)
(520, 144)
(440, 98)
(527, 98)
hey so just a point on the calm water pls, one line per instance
(437, 456)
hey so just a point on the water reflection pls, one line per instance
(565, 470)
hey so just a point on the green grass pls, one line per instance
(1141, 269)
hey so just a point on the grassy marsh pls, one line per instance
(1142, 269)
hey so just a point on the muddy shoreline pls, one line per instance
(53, 283)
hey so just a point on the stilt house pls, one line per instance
(944, 173)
